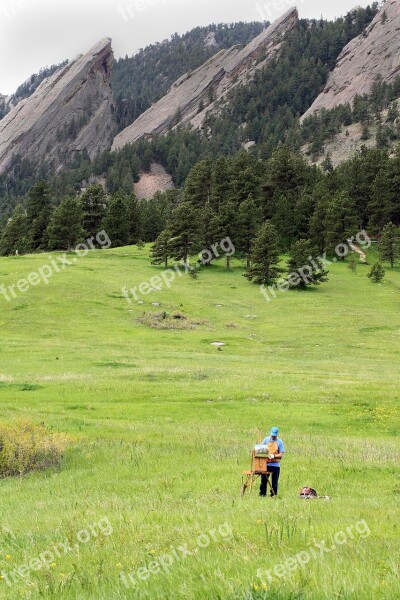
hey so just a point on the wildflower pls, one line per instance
(255, 587)
(53, 565)
(8, 556)
(264, 585)
(245, 558)
(153, 552)
(118, 565)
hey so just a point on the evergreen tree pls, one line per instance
(184, 227)
(160, 251)
(389, 244)
(94, 202)
(116, 222)
(352, 263)
(304, 262)
(249, 219)
(208, 232)
(16, 234)
(226, 226)
(39, 211)
(265, 256)
(66, 225)
(197, 189)
(341, 221)
(221, 183)
(134, 218)
(377, 272)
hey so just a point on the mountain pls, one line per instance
(193, 96)
(141, 80)
(374, 53)
(69, 113)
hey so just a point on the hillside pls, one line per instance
(374, 53)
(144, 78)
(195, 94)
(70, 113)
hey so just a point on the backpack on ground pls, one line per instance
(308, 493)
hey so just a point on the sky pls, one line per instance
(39, 33)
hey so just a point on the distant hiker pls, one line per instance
(16, 253)
(275, 453)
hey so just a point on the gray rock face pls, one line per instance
(70, 112)
(375, 52)
(194, 95)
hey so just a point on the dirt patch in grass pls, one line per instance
(176, 321)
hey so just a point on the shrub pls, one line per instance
(377, 272)
(25, 447)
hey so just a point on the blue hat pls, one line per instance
(274, 431)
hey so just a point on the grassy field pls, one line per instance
(162, 424)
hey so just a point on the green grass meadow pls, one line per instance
(162, 424)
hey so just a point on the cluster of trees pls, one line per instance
(283, 205)
(141, 80)
(265, 208)
(367, 110)
(45, 225)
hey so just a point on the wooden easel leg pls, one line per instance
(252, 482)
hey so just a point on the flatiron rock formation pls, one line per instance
(70, 112)
(195, 94)
(375, 52)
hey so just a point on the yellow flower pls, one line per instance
(259, 522)
(255, 587)
(264, 585)
(8, 556)
(153, 552)
(245, 558)
(118, 565)
(53, 565)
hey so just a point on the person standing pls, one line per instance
(275, 452)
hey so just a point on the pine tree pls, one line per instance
(249, 219)
(66, 225)
(16, 234)
(377, 272)
(39, 209)
(304, 262)
(389, 244)
(352, 263)
(160, 251)
(226, 226)
(197, 190)
(116, 222)
(265, 256)
(208, 233)
(134, 218)
(94, 202)
(341, 221)
(184, 227)
(221, 183)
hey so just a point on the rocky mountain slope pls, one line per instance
(376, 52)
(69, 113)
(195, 94)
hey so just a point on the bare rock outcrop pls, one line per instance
(195, 94)
(70, 112)
(375, 52)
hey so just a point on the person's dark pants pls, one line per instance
(276, 471)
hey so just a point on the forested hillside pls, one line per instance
(141, 80)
